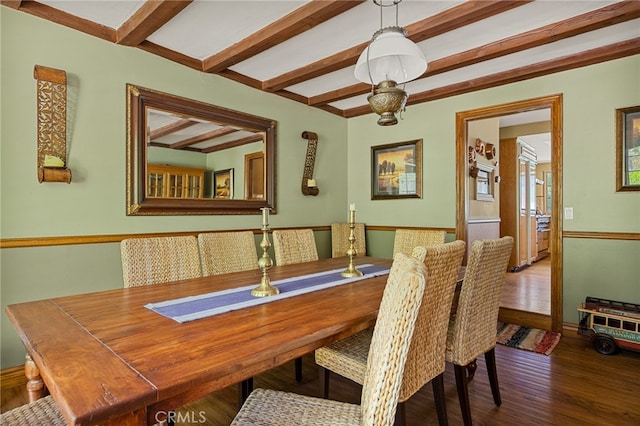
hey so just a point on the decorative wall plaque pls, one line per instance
(52, 125)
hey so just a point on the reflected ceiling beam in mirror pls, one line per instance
(202, 138)
(170, 128)
(235, 143)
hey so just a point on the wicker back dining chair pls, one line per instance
(390, 342)
(472, 329)
(406, 239)
(426, 358)
(41, 412)
(159, 259)
(226, 252)
(294, 246)
(340, 239)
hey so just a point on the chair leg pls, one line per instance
(471, 370)
(323, 374)
(244, 389)
(298, 362)
(401, 415)
(438, 394)
(463, 393)
(490, 358)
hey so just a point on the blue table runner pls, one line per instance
(191, 308)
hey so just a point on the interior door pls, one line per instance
(254, 176)
(463, 118)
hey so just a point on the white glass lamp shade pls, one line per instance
(390, 56)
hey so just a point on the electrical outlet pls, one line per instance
(568, 213)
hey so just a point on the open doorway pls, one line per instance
(465, 222)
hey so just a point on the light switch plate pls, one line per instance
(568, 213)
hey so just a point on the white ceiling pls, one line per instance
(306, 50)
(541, 142)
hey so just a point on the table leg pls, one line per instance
(35, 384)
(244, 389)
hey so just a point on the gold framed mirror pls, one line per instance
(175, 147)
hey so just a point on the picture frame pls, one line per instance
(628, 149)
(223, 184)
(396, 170)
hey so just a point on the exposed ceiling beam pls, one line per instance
(456, 17)
(59, 17)
(13, 4)
(171, 55)
(467, 13)
(296, 22)
(148, 19)
(601, 18)
(339, 94)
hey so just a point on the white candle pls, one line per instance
(351, 217)
(265, 216)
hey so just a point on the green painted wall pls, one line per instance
(94, 203)
(601, 268)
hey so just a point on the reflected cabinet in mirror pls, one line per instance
(189, 157)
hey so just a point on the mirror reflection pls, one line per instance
(210, 153)
(187, 157)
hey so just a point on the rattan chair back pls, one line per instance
(389, 346)
(406, 240)
(226, 252)
(392, 335)
(426, 357)
(159, 259)
(473, 330)
(294, 246)
(41, 412)
(340, 239)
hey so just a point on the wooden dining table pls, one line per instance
(107, 359)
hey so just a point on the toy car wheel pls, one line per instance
(605, 345)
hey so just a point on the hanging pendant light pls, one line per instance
(390, 59)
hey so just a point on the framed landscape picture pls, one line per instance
(628, 149)
(396, 170)
(223, 183)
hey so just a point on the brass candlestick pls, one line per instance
(351, 270)
(264, 263)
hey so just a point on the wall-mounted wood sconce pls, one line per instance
(52, 125)
(309, 186)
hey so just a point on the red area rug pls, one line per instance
(528, 339)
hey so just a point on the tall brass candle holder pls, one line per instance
(351, 270)
(264, 263)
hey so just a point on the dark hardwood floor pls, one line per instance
(575, 385)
